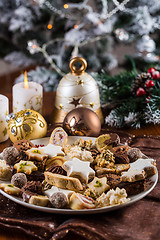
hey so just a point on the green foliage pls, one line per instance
(115, 88)
(129, 109)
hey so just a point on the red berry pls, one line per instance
(149, 83)
(148, 99)
(151, 70)
(155, 75)
(140, 92)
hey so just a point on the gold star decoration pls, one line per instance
(80, 82)
(39, 100)
(75, 102)
(91, 104)
(5, 131)
(60, 106)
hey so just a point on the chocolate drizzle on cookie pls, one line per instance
(114, 140)
(120, 154)
(33, 186)
(57, 169)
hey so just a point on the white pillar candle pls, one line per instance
(27, 98)
(4, 109)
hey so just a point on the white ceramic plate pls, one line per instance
(151, 183)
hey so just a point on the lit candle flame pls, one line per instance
(25, 80)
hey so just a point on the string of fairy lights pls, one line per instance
(34, 47)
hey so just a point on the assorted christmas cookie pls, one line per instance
(107, 141)
(79, 169)
(5, 171)
(10, 189)
(86, 174)
(58, 137)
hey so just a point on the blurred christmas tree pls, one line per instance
(34, 30)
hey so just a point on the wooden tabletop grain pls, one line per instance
(48, 105)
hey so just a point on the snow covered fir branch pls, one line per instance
(134, 98)
(88, 28)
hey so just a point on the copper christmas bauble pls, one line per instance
(82, 122)
(26, 124)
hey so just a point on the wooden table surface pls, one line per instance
(47, 109)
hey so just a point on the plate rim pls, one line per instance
(136, 197)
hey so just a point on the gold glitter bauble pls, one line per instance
(82, 122)
(26, 124)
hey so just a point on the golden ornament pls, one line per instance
(76, 89)
(82, 122)
(26, 124)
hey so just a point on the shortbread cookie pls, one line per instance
(65, 182)
(36, 154)
(120, 154)
(39, 200)
(79, 201)
(58, 137)
(10, 189)
(139, 170)
(116, 169)
(99, 185)
(25, 167)
(107, 141)
(5, 171)
(79, 169)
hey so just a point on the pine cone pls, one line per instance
(140, 81)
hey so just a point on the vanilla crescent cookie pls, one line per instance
(39, 200)
(5, 171)
(79, 169)
(58, 137)
(140, 169)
